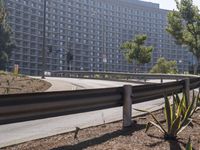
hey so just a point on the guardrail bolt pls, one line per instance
(127, 106)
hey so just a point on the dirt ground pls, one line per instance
(113, 137)
(11, 84)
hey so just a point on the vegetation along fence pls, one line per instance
(25, 107)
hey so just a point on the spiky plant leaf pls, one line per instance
(198, 100)
(168, 113)
(177, 98)
(148, 126)
(175, 126)
(184, 125)
(180, 103)
(180, 107)
(190, 110)
(189, 145)
(174, 108)
(152, 115)
(193, 95)
(184, 104)
(160, 127)
(197, 108)
(145, 111)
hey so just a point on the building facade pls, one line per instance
(91, 30)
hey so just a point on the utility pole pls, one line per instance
(104, 44)
(44, 42)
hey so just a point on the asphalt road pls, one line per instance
(74, 83)
(21, 132)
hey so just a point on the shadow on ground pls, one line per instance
(173, 144)
(99, 140)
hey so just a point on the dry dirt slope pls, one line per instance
(11, 84)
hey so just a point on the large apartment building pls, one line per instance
(91, 30)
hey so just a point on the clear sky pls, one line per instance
(170, 4)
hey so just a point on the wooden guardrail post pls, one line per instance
(187, 90)
(127, 106)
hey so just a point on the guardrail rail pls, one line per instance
(24, 107)
(119, 76)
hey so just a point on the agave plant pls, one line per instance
(178, 116)
(184, 103)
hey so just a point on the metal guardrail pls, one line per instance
(25, 107)
(119, 76)
(22, 107)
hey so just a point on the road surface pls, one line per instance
(61, 84)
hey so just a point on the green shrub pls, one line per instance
(164, 66)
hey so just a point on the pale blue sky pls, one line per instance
(170, 4)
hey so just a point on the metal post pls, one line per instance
(44, 42)
(104, 44)
(127, 106)
(187, 90)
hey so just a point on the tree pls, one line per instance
(184, 26)
(6, 45)
(135, 50)
(164, 66)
